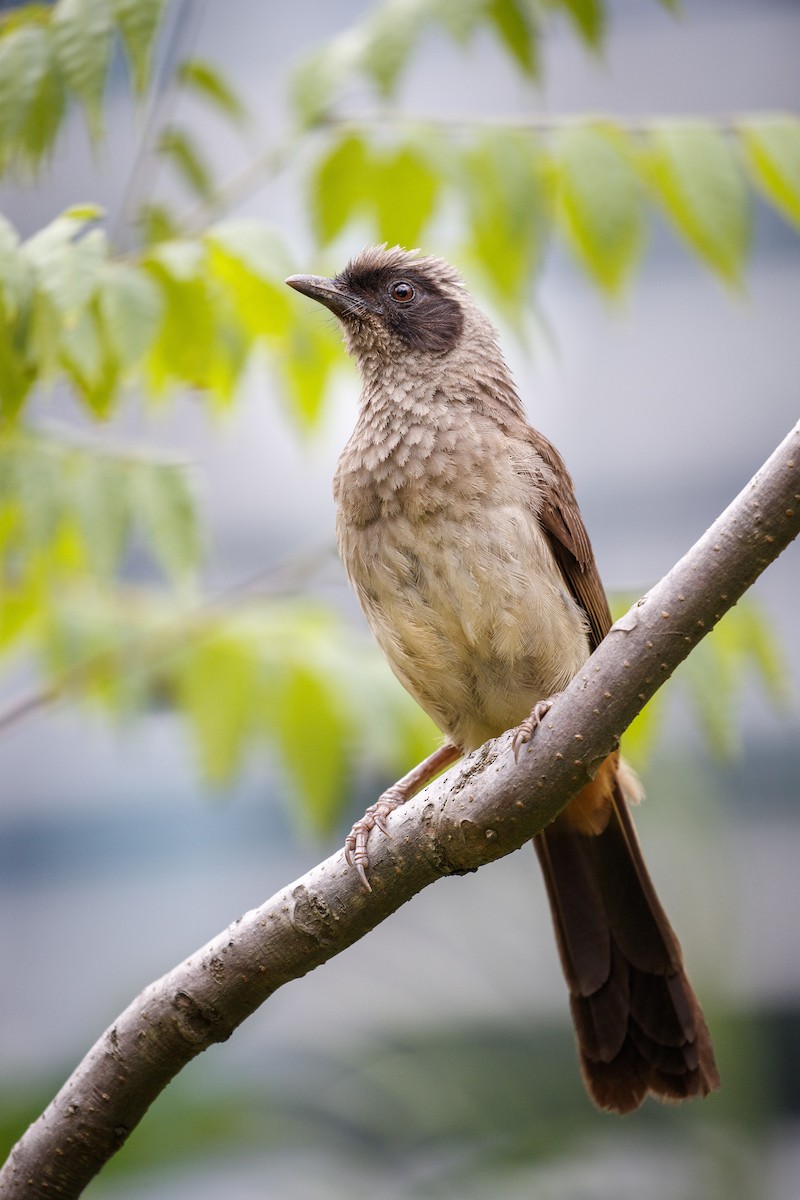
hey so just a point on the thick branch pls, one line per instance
(481, 810)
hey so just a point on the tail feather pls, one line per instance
(600, 1032)
(638, 1024)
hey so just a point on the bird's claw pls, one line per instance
(355, 844)
(527, 728)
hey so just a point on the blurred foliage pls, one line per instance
(275, 671)
(377, 51)
(187, 311)
(52, 56)
(81, 516)
(592, 182)
(183, 312)
(67, 513)
(489, 1108)
(741, 649)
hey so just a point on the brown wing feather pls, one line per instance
(561, 520)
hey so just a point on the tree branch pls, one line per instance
(269, 164)
(481, 810)
(543, 123)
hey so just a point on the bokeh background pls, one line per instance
(435, 1058)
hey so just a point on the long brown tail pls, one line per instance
(638, 1024)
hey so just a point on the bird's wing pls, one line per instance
(561, 520)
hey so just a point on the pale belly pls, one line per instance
(474, 619)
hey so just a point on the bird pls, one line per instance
(460, 533)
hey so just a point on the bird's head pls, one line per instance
(393, 303)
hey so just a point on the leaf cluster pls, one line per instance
(590, 182)
(378, 50)
(182, 151)
(183, 313)
(67, 516)
(52, 56)
(187, 312)
(741, 649)
(281, 674)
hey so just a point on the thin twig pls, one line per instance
(140, 652)
(267, 165)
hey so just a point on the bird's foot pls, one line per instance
(528, 727)
(355, 844)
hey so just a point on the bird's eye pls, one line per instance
(402, 292)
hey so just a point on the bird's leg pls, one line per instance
(355, 846)
(526, 729)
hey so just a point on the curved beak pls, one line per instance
(325, 291)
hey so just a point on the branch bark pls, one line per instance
(484, 808)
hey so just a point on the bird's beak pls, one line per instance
(326, 291)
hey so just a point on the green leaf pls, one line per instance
(24, 61)
(339, 186)
(16, 377)
(258, 307)
(250, 263)
(259, 247)
(82, 214)
(193, 345)
(229, 352)
(138, 22)
(312, 734)
(772, 154)
(44, 114)
(390, 33)
(745, 640)
(184, 347)
(589, 18)
(312, 352)
(517, 27)
(394, 731)
(207, 82)
(82, 38)
(131, 307)
(713, 685)
(714, 676)
(67, 268)
(181, 259)
(82, 349)
(405, 194)
(13, 17)
(179, 148)
(459, 17)
(599, 197)
(508, 191)
(43, 333)
(697, 177)
(216, 690)
(164, 509)
(40, 488)
(643, 732)
(379, 47)
(87, 356)
(13, 275)
(765, 654)
(318, 79)
(19, 612)
(100, 498)
(156, 223)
